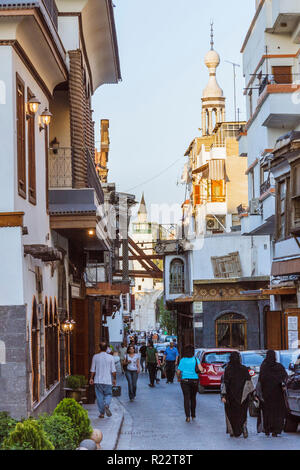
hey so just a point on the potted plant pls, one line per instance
(73, 387)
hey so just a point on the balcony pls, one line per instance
(47, 7)
(277, 108)
(285, 16)
(61, 170)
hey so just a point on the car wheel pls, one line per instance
(291, 424)
(200, 388)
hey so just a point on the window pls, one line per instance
(282, 75)
(227, 266)
(231, 331)
(51, 343)
(177, 277)
(295, 196)
(217, 191)
(21, 154)
(35, 334)
(31, 154)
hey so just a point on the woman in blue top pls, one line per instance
(187, 374)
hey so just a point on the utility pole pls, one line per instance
(234, 84)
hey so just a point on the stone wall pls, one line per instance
(14, 391)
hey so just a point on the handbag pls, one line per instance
(116, 391)
(125, 363)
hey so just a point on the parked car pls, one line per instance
(287, 357)
(293, 397)
(213, 361)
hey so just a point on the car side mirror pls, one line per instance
(292, 366)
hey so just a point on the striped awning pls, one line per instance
(212, 170)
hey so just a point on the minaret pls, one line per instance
(213, 100)
(142, 212)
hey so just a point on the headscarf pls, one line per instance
(235, 377)
(272, 374)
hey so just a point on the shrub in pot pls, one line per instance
(27, 435)
(7, 424)
(73, 385)
(60, 431)
(79, 416)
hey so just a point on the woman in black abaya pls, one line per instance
(235, 390)
(272, 377)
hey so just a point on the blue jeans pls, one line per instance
(104, 396)
(131, 376)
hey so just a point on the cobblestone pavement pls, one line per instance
(156, 421)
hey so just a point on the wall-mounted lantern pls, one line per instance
(33, 105)
(45, 118)
(67, 326)
(54, 145)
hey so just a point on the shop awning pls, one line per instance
(287, 267)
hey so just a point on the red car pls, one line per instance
(212, 360)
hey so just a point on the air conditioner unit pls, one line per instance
(255, 207)
(212, 224)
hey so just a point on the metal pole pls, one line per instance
(234, 84)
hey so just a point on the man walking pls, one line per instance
(151, 362)
(171, 359)
(103, 375)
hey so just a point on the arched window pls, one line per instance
(56, 342)
(35, 341)
(47, 342)
(177, 277)
(51, 344)
(231, 331)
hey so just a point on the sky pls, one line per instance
(155, 111)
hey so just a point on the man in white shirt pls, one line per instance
(103, 375)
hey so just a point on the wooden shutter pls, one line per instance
(21, 154)
(282, 75)
(197, 198)
(31, 154)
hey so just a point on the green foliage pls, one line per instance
(27, 435)
(73, 382)
(79, 416)
(83, 380)
(7, 424)
(60, 431)
(167, 319)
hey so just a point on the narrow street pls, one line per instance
(156, 421)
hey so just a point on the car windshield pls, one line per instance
(253, 359)
(216, 358)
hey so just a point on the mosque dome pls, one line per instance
(212, 59)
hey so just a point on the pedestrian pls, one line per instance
(171, 356)
(122, 354)
(132, 343)
(151, 362)
(270, 391)
(142, 351)
(131, 364)
(187, 374)
(236, 389)
(103, 376)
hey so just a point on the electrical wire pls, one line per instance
(154, 177)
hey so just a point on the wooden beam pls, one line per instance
(11, 219)
(142, 254)
(145, 274)
(138, 257)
